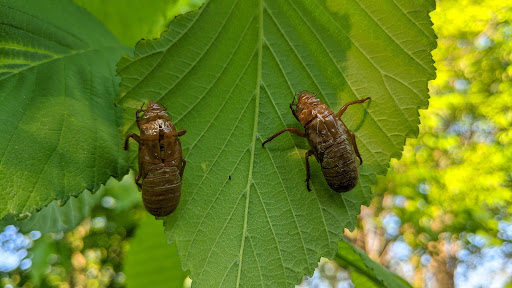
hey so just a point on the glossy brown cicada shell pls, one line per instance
(161, 163)
(332, 144)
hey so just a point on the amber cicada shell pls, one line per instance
(161, 163)
(332, 144)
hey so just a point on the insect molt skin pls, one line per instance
(161, 163)
(330, 141)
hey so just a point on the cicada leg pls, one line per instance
(138, 111)
(308, 170)
(137, 179)
(184, 163)
(353, 136)
(181, 132)
(342, 110)
(131, 135)
(292, 130)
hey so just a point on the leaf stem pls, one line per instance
(343, 262)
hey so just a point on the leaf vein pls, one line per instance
(184, 205)
(273, 232)
(343, 75)
(220, 73)
(211, 204)
(157, 51)
(413, 20)
(393, 38)
(254, 134)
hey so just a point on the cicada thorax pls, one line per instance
(161, 163)
(330, 141)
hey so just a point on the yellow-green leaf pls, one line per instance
(227, 74)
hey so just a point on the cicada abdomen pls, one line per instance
(161, 163)
(332, 144)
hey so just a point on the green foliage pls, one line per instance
(150, 261)
(232, 90)
(131, 20)
(57, 85)
(364, 271)
(460, 162)
(454, 180)
(90, 255)
(113, 207)
(54, 218)
(40, 252)
(227, 74)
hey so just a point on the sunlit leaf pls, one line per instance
(131, 20)
(57, 88)
(227, 74)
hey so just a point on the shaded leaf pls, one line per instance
(227, 74)
(54, 218)
(43, 247)
(59, 122)
(150, 261)
(364, 271)
(125, 194)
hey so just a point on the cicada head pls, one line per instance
(304, 107)
(154, 119)
(155, 111)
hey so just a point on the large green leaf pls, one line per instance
(227, 74)
(57, 88)
(150, 261)
(130, 20)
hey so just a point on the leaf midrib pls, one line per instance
(254, 134)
